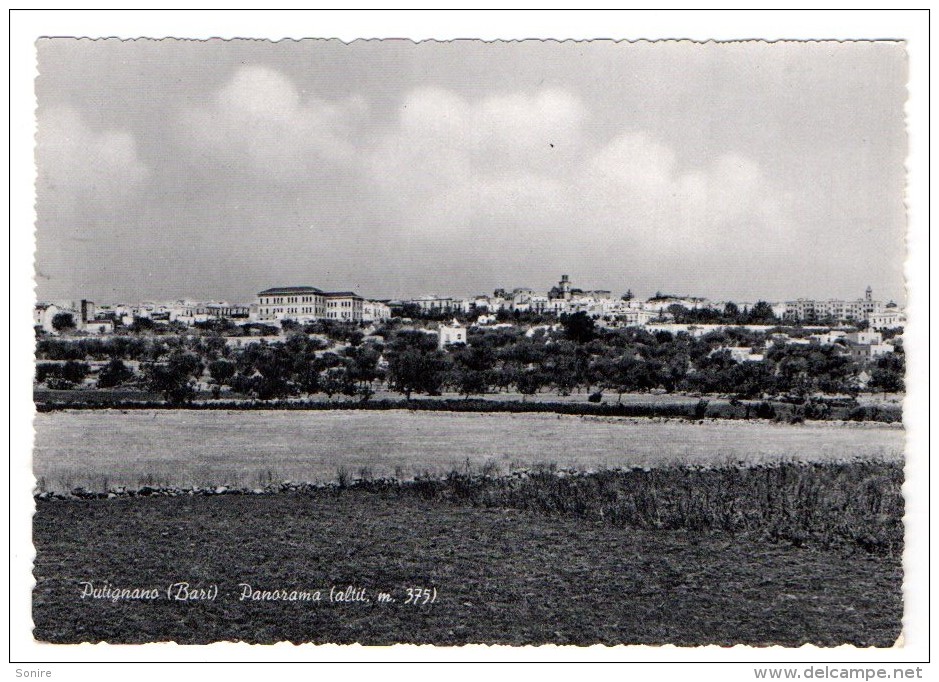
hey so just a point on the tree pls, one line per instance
(114, 374)
(187, 364)
(273, 366)
(221, 370)
(410, 310)
(307, 379)
(415, 369)
(628, 296)
(751, 379)
(63, 321)
(406, 371)
(529, 382)
(473, 369)
(171, 381)
(362, 364)
(47, 370)
(142, 324)
(415, 364)
(622, 375)
(886, 380)
(75, 372)
(762, 313)
(337, 380)
(679, 313)
(578, 327)
(888, 375)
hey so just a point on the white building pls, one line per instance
(434, 304)
(828, 337)
(864, 338)
(346, 306)
(99, 326)
(448, 334)
(82, 312)
(740, 353)
(869, 351)
(44, 313)
(305, 304)
(375, 311)
(296, 303)
(890, 318)
(662, 303)
(634, 317)
(812, 309)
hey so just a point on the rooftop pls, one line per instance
(290, 290)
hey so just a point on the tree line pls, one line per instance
(572, 355)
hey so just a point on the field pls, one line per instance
(529, 529)
(500, 575)
(103, 448)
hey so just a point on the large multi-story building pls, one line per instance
(346, 306)
(305, 304)
(295, 303)
(836, 309)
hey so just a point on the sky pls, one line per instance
(213, 170)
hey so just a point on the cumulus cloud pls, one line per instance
(514, 169)
(81, 167)
(443, 140)
(87, 187)
(635, 182)
(261, 122)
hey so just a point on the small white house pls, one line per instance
(449, 334)
(44, 313)
(865, 337)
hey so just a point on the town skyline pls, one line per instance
(615, 293)
(397, 169)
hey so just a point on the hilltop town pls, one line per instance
(303, 304)
(303, 341)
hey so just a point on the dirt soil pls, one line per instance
(500, 576)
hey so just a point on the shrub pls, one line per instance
(700, 409)
(765, 410)
(858, 503)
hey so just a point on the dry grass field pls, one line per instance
(713, 532)
(102, 448)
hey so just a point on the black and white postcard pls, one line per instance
(515, 343)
